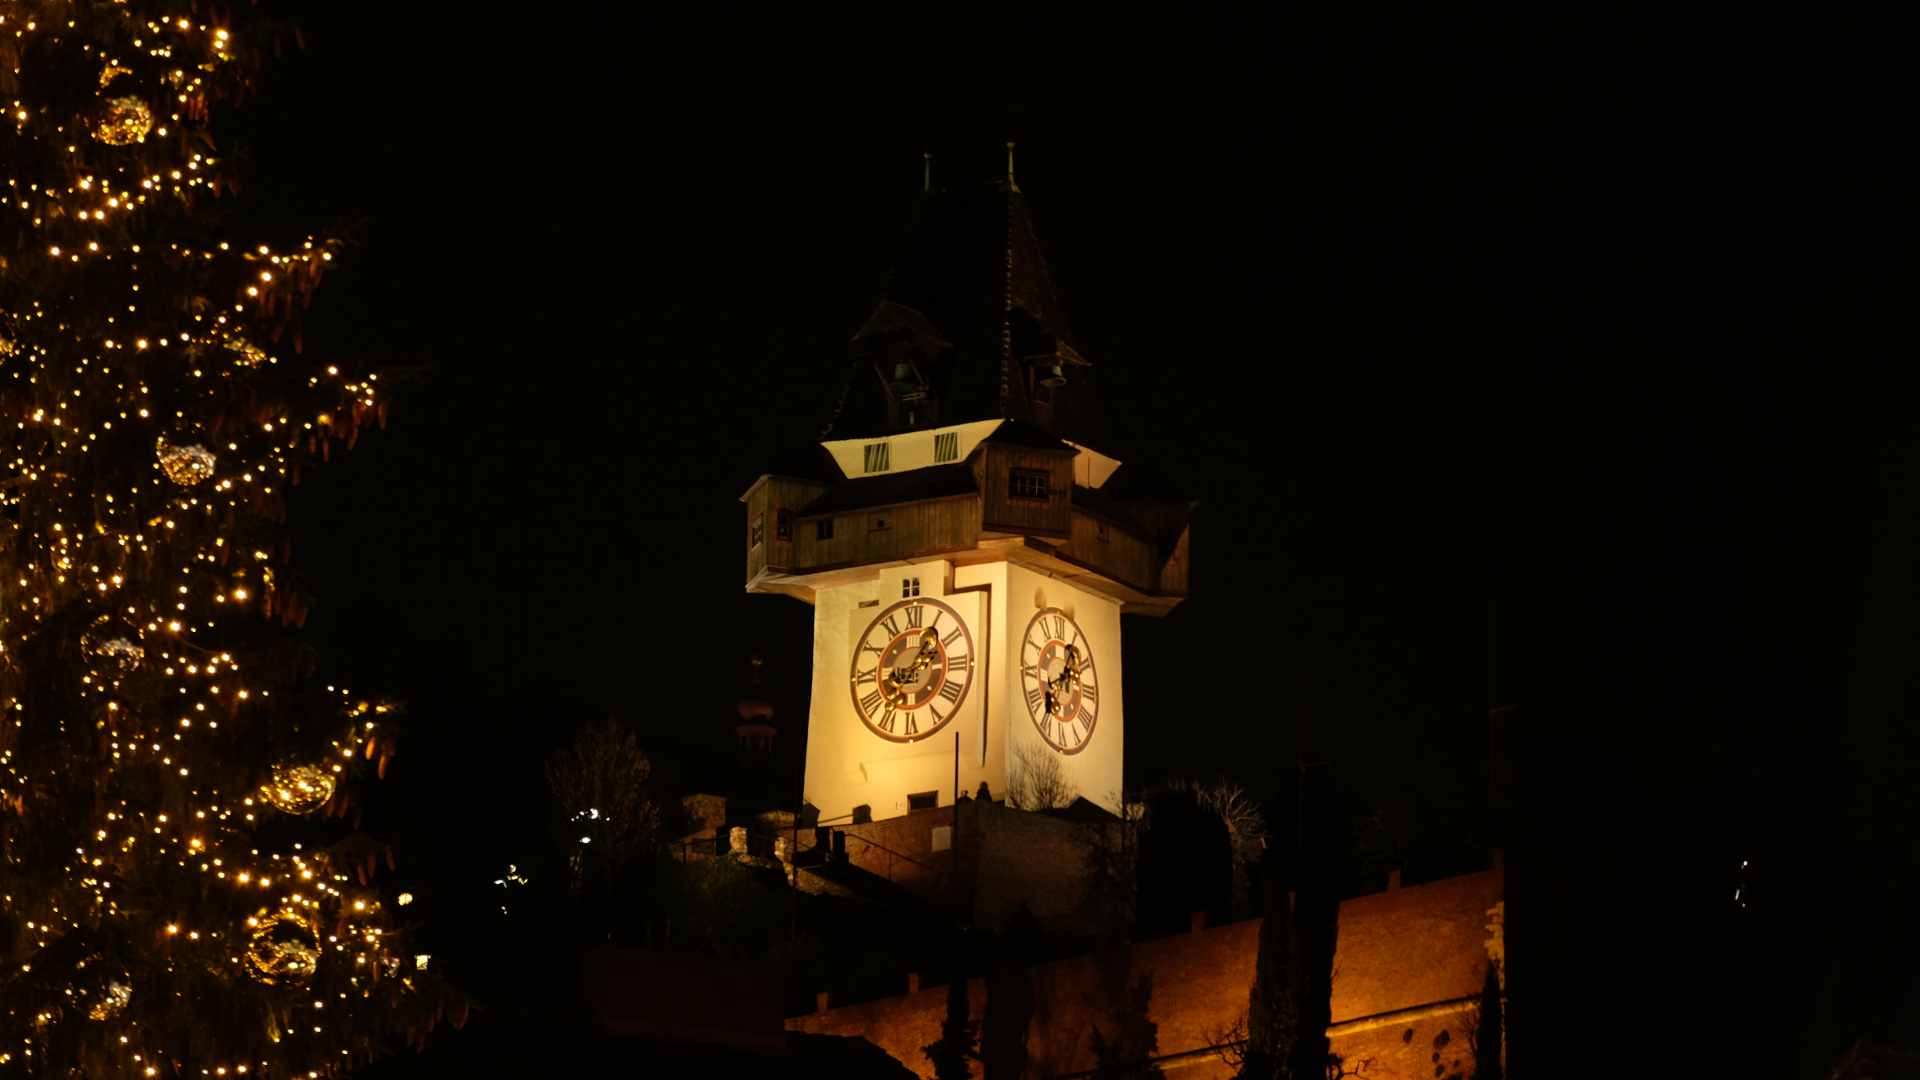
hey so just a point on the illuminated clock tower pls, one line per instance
(966, 536)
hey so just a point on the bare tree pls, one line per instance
(605, 806)
(1037, 780)
(1338, 1068)
(1229, 1042)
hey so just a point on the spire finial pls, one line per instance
(929, 183)
(1010, 182)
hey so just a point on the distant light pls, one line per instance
(420, 962)
(406, 898)
(595, 813)
(586, 839)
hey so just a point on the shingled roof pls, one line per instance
(972, 286)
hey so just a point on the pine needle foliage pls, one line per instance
(184, 890)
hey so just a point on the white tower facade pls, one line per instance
(967, 546)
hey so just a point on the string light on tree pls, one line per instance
(158, 404)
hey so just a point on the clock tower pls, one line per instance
(967, 535)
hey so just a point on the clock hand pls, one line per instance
(929, 641)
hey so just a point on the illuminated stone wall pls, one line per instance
(1409, 965)
(1003, 857)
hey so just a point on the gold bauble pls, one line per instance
(186, 463)
(252, 353)
(297, 789)
(113, 646)
(112, 998)
(285, 947)
(126, 121)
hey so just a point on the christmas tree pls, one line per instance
(184, 889)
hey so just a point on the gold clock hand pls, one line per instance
(929, 641)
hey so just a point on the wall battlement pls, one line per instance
(1407, 975)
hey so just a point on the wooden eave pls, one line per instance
(1035, 555)
(798, 517)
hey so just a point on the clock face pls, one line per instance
(912, 668)
(1058, 680)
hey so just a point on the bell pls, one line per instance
(904, 380)
(1051, 375)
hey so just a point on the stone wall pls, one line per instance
(1002, 857)
(1409, 963)
(900, 849)
(1035, 859)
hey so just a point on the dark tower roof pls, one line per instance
(972, 304)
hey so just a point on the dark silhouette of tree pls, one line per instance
(1290, 1004)
(1273, 1007)
(1316, 917)
(1186, 864)
(607, 813)
(1246, 830)
(1110, 853)
(951, 1054)
(1124, 1050)
(1009, 1013)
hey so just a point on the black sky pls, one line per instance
(1543, 361)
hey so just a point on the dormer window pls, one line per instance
(877, 456)
(1027, 484)
(946, 447)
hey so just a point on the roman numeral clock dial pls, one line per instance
(912, 668)
(1058, 680)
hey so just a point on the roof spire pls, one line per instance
(1010, 183)
(929, 183)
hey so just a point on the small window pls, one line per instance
(877, 456)
(1100, 530)
(823, 529)
(1027, 484)
(876, 524)
(756, 531)
(923, 800)
(783, 525)
(909, 587)
(946, 447)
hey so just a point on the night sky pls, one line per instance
(1560, 382)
